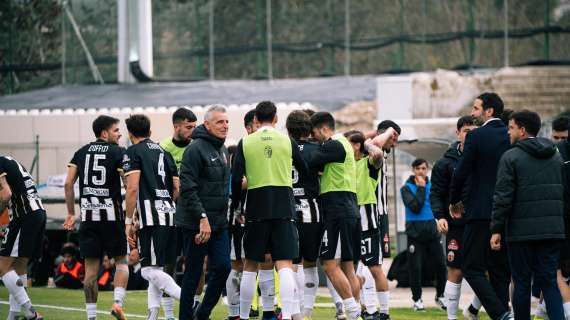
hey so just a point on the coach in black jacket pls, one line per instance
(202, 212)
(483, 148)
(528, 208)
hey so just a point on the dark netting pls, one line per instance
(308, 38)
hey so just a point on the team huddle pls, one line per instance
(259, 214)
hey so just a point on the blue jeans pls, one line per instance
(218, 251)
(536, 260)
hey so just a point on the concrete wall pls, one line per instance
(62, 132)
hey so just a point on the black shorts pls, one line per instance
(24, 236)
(341, 240)
(236, 242)
(454, 246)
(102, 237)
(310, 235)
(156, 246)
(278, 237)
(370, 248)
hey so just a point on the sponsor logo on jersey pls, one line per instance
(126, 163)
(96, 206)
(453, 245)
(162, 193)
(164, 208)
(297, 192)
(450, 256)
(29, 183)
(153, 146)
(99, 192)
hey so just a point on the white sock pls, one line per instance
(167, 303)
(14, 305)
(352, 308)
(91, 309)
(153, 313)
(452, 294)
(246, 291)
(161, 280)
(15, 287)
(153, 296)
(368, 294)
(232, 289)
(300, 277)
(476, 303)
(310, 290)
(287, 288)
(266, 281)
(566, 307)
(119, 295)
(384, 301)
(197, 298)
(334, 295)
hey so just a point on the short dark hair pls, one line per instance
(298, 124)
(466, 121)
(265, 111)
(183, 114)
(356, 136)
(506, 116)
(138, 125)
(418, 162)
(102, 123)
(322, 119)
(527, 119)
(309, 112)
(248, 118)
(492, 100)
(384, 125)
(561, 124)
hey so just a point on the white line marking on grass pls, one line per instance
(47, 306)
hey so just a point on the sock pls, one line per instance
(267, 288)
(287, 288)
(15, 287)
(452, 293)
(91, 309)
(153, 313)
(197, 298)
(232, 289)
(247, 288)
(300, 284)
(352, 308)
(335, 296)
(383, 300)
(153, 296)
(162, 281)
(310, 290)
(14, 305)
(167, 303)
(119, 295)
(475, 305)
(566, 307)
(368, 294)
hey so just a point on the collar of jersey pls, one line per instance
(266, 127)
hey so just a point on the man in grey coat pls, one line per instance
(528, 207)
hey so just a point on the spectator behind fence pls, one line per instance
(423, 237)
(106, 274)
(528, 209)
(560, 127)
(70, 272)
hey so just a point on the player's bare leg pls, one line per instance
(120, 282)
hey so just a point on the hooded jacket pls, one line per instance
(441, 175)
(204, 182)
(528, 203)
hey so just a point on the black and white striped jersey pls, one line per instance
(157, 169)
(25, 198)
(99, 165)
(382, 191)
(306, 189)
(369, 213)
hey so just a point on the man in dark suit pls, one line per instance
(483, 149)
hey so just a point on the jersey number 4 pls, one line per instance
(99, 172)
